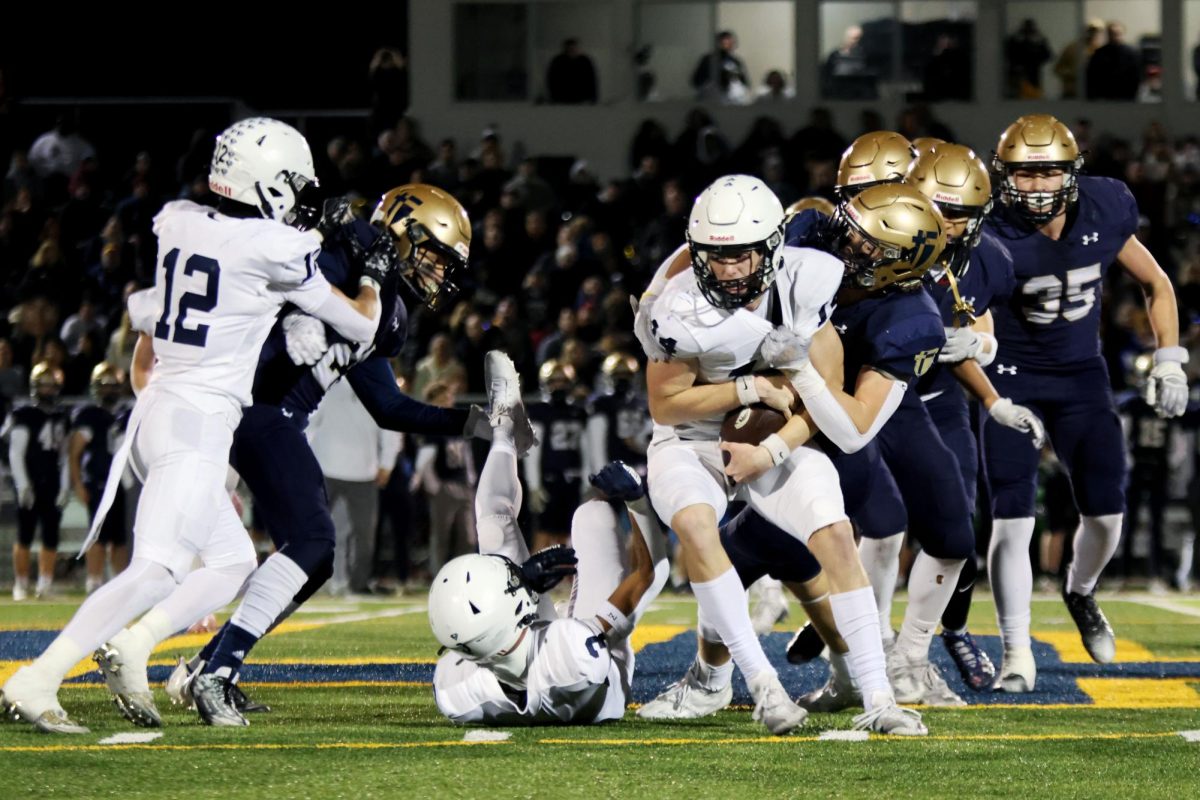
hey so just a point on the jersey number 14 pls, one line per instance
(188, 301)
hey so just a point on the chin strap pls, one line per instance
(962, 308)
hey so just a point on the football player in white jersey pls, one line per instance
(222, 277)
(508, 660)
(714, 324)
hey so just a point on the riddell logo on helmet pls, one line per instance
(861, 178)
(1037, 157)
(220, 188)
(727, 238)
(943, 197)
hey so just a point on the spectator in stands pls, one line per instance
(720, 75)
(84, 321)
(1075, 56)
(440, 366)
(61, 150)
(12, 377)
(445, 472)
(120, 344)
(571, 76)
(387, 77)
(947, 73)
(443, 170)
(1025, 51)
(1114, 70)
(774, 89)
(847, 75)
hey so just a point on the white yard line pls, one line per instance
(1162, 604)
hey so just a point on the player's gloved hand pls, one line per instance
(538, 500)
(1019, 418)
(25, 498)
(335, 212)
(643, 327)
(1167, 390)
(619, 481)
(64, 497)
(961, 344)
(544, 569)
(380, 259)
(305, 338)
(784, 347)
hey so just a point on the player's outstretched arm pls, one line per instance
(849, 420)
(375, 385)
(142, 367)
(1167, 390)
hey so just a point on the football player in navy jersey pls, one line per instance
(618, 426)
(36, 433)
(90, 450)
(429, 232)
(554, 466)
(1064, 230)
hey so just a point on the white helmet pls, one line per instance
(735, 214)
(479, 606)
(263, 163)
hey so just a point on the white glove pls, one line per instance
(25, 498)
(961, 344)
(784, 347)
(1019, 418)
(64, 497)
(538, 500)
(643, 328)
(1167, 390)
(305, 338)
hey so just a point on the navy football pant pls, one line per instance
(869, 492)
(46, 513)
(757, 548)
(1083, 427)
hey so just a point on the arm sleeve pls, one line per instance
(597, 439)
(835, 423)
(342, 317)
(375, 384)
(18, 443)
(533, 459)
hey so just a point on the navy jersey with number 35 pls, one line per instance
(1052, 321)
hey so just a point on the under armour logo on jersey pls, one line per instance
(840, 328)
(286, 413)
(1091, 238)
(1001, 369)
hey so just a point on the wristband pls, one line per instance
(984, 355)
(1177, 354)
(777, 447)
(368, 281)
(747, 392)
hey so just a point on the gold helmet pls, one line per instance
(814, 203)
(877, 157)
(430, 229)
(956, 180)
(107, 382)
(888, 236)
(618, 369)
(925, 144)
(45, 381)
(555, 375)
(1038, 142)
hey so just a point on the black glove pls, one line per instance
(380, 259)
(335, 212)
(544, 569)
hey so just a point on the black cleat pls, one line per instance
(244, 704)
(1097, 634)
(805, 646)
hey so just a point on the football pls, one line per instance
(751, 424)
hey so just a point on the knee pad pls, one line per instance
(594, 515)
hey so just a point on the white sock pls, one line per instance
(724, 604)
(138, 641)
(931, 584)
(270, 589)
(1011, 575)
(881, 560)
(44, 584)
(714, 679)
(1096, 540)
(857, 620)
(106, 611)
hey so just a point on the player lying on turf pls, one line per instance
(507, 659)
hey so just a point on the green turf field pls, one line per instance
(353, 717)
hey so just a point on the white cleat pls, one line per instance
(1018, 672)
(126, 680)
(179, 684)
(27, 696)
(687, 699)
(771, 607)
(917, 681)
(888, 718)
(20, 592)
(773, 707)
(503, 386)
